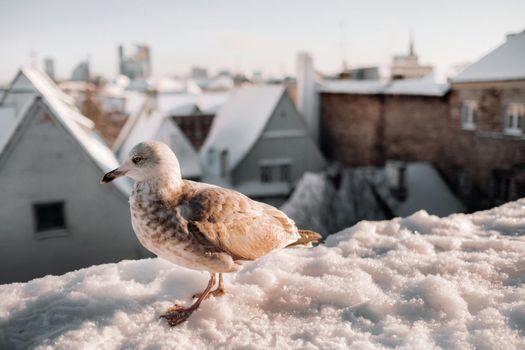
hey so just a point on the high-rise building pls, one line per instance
(81, 72)
(137, 65)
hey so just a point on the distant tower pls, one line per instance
(307, 95)
(343, 48)
(49, 67)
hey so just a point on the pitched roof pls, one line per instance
(147, 124)
(506, 62)
(426, 190)
(80, 127)
(241, 120)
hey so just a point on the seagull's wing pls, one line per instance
(242, 227)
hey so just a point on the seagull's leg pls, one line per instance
(217, 292)
(178, 314)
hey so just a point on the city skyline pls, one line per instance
(243, 37)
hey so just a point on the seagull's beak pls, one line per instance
(112, 175)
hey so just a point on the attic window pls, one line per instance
(514, 118)
(469, 115)
(49, 219)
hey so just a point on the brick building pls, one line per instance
(486, 141)
(370, 122)
(471, 131)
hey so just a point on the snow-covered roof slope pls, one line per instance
(415, 283)
(79, 126)
(425, 86)
(506, 62)
(365, 87)
(425, 189)
(146, 125)
(241, 120)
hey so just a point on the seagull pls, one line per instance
(197, 225)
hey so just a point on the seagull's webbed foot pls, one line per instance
(177, 314)
(217, 292)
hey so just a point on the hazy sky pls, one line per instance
(247, 35)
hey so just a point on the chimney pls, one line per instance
(307, 95)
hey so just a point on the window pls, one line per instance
(284, 172)
(224, 163)
(469, 115)
(266, 173)
(49, 217)
(501, 185)
(514, 118)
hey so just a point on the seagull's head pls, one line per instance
(148, 160)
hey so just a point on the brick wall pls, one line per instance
(485, 153)
(350, 128)
(370, 129)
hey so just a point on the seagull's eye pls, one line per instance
(137, 160)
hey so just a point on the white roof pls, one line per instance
(425, 190)
(368, 87)
(241, 120)
(506, 62)
(79, 126)
(147, 125)
(425, 86)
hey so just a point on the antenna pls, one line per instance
(411, 44)
(343, 45)
(33, 58)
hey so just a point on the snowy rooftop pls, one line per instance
(425, 86)
(241, 120)
(365, 87)
(425, 188)
(64, 109)
(506, 62)
(421, 282)
(146, 125)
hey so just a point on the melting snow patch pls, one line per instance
(421, 282)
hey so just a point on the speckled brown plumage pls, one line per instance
(196, 225)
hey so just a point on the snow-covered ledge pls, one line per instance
(420, 282)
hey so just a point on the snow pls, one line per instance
(82, 128)
(425, 188)
(248, 109)
(421, 282)
(325, 205)
(506, 62)
(425, 86)
(149, 123)
(369, 87)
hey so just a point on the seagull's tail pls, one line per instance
(307, 238)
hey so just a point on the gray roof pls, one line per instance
(506, 62)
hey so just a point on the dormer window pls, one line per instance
(514, 118)
(469, 115)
